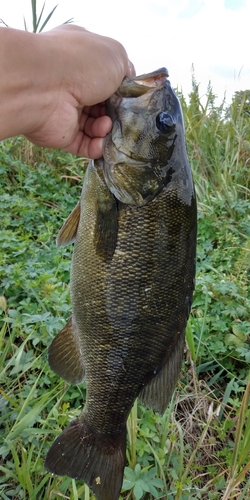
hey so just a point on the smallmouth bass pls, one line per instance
(132, 280)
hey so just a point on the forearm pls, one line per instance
(23, 86)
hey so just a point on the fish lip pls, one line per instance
(152, 79)
(142, 84)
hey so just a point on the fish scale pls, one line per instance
(132, 281)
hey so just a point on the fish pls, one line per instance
(132, 280)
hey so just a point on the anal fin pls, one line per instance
(157, 393)
(65, 356)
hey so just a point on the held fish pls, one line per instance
(132, 280)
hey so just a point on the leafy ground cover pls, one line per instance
(200, 447)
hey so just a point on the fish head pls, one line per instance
(147, 129)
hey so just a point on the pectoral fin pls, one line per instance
(65, 356)
(67, 233)
(157, 393)
(106, 227)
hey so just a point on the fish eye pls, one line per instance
(165, 122)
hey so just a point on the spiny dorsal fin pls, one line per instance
(67, 233)
(157, 393)
(64, 355)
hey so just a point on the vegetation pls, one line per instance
(38, 21)
(200, 447)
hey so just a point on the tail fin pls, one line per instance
(97, 459)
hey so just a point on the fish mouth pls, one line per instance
(154, 79)
(139, 85)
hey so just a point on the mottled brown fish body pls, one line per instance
(132, 280)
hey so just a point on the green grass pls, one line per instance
(200, 447)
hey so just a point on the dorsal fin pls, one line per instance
(157, 393)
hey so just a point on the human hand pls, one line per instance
(81, 131)
(54, 86)
(91, 69)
